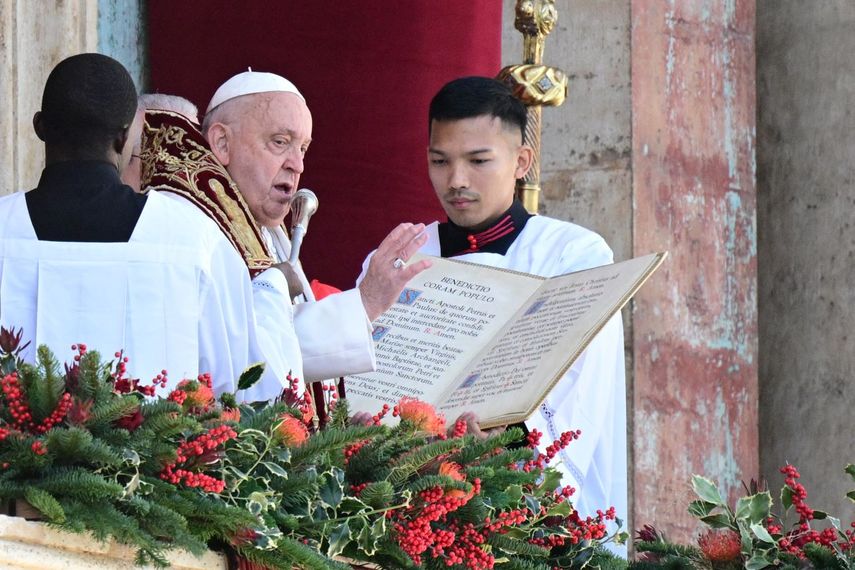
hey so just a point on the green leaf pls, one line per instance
(707, 490)
(561, 509)
(532, 504)
(131, 457)
(257, 503)
(760, 532)
(250, 376)
(834, 522)
(331, 489)
(851, 495)
(370, 536)
(700, 508)
(718, 521)
(819, 515)
(339, 538)
(755, 508)
(514, 493)
(786, 498)
(758, 562)
(46, 504)
(551, 481)
(275, 469)
(851, 470)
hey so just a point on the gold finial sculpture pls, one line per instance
(534, 84)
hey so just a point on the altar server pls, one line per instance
(476, 153)
(84, 259)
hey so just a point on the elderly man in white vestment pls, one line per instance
(259, 127)
(475, 155)
(84, 259)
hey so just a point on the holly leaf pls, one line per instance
(331, 490)
(755, 508)
(706, 490)
(760, 532)
(758, 562)
(786, 498)
(561, 509)
(275, 469)
(851, 470)
(514, 493)
(339, 538)
(250, 375)
(700, 508)
(718, 521)
(532, 504)
(820, 515)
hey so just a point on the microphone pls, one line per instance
(304, 204)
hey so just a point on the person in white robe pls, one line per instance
(84, 259)
(475, 155)
(259, 127)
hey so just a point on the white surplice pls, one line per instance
(334, 333)
(176, 296)
(592, 395)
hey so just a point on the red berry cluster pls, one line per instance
(177, 396)
(15, 402)
(357, 489)
(419, 529)
(376, 418)
(81, 350)
(460, 429)
(794, 541)
(199, 451)
(38, 448)
(19, 409)
(539, 462)
(506, 519)
(533, 438)
(57, 415)
(351, 450)
(124, 385)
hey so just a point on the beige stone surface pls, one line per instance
(26, 545)
(34, 37)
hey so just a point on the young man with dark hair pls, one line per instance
(83, 258)
(475, 155)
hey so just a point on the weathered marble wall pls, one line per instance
(34, 37)
(806, 244)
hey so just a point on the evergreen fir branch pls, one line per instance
(474, 449)
(340, 417)
(92, 376)
(506, 457)
(76, 445)
(43, 384)
(104, 414)
(475, 511)
(330, 440)
(666, 563)
(46, 504)
(297, 489)
(262, 419)
(78, 484)
(667, 548)
(429, 481)
(290, 551)
(517, 547)
(605, 560)
(371, 463)
(378, 494)
(409, 464)
(517, 563)
(822, 557)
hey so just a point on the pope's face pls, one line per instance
(265, 153)
(473, 165)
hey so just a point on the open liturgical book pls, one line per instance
(467, 337)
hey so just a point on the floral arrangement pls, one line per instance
(750, 535)
(93, 450)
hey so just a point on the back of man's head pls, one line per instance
(470, 97)
(174, 103)
(88, 100)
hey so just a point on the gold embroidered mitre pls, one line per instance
(176, 158)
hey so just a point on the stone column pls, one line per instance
(654, 149)
(34, 37)
(806, 199)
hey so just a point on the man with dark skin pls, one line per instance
(83, 258)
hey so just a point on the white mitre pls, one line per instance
(250, 82)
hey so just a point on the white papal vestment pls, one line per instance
(176, 296)
(334, 333)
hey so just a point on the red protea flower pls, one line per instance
(421, 415)
(291, 431)
(720, 546)
(452, 470)
(230, 415)
(199, 394)
(10, 341)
